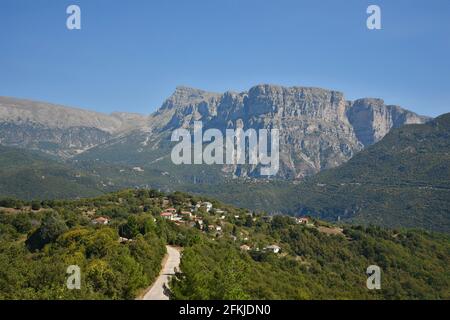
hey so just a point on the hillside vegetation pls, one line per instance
(34, 175)
(401, 181)
(404, 180)
(226, 252)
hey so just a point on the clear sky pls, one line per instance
(130, 55)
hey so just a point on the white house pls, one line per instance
(101, 220)
(186, 214)
(302, 220)
(208, 206)
(274, 248)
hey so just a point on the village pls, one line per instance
(217, 223)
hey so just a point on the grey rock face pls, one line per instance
(59, 130)
(319, 129)
(64, 143)
(372, 119)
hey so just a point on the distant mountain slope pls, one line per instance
(402, 181)
(30, 175)
(59, 130)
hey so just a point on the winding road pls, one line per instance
(158, 291)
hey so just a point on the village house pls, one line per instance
(273, 248)
(187, 214)
(167, 215)
(207, 205)
(302, 220)
(177, 218)
(101, 220)
(199, 222)
(124, 240)
(245, 247)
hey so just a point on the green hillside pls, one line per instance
(32, 175)
(317, 260)
(402, 181)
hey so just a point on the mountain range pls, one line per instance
(319, 129)
(360, 160)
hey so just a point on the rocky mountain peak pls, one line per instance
(372, 119)
(296, 101)
(186, 96)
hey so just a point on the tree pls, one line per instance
(248, 221)
(130, 229)
(35, 205)
(52, 227)
(232, 279)
(22, 223)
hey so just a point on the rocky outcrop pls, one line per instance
(319, 129)
(372, 119)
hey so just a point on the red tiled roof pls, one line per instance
(166, 214)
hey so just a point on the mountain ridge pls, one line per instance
(319, 128)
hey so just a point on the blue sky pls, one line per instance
(130, 55)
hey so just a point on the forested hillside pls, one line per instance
(118, 241)
(34, 175)
(402, 181)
